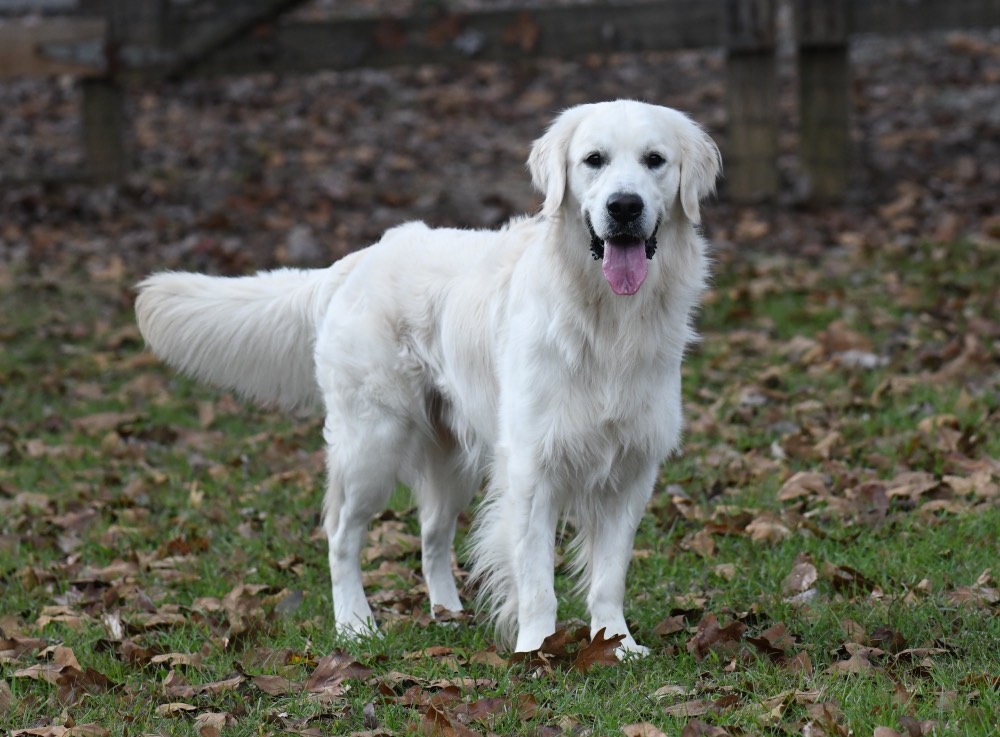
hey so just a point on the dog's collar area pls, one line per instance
(597, 243)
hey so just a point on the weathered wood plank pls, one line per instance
(899, 16)
(824, 96)
(751, 100)
(453, 37)
(39, 47)
(196, 42)
(102, 110)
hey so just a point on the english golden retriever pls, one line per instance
(544, 356)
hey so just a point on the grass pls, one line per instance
(155, 511)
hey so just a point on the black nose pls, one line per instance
(625, 207)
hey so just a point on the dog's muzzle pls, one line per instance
(597, 243)
(623, 264)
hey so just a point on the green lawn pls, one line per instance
(817, 560)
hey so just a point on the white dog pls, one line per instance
(546, 356)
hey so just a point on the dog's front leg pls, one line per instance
(608, 542)
(535, 513)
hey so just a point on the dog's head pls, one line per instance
(625, 168)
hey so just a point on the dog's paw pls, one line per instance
(630, 649)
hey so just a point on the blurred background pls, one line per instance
(227, 136)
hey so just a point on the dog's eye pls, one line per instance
(654, 160)
(594, 160)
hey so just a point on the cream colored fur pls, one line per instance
(445, 356)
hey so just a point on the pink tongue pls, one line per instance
(625, 266)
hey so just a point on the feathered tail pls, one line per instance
(253, 334)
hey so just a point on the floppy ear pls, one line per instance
(547, 160)
(701, 164)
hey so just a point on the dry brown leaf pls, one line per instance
(669, 690)
(698, 728)
(886, 732)
(175, 708)
(700, 542)
(12, 648)
(176, 685)
(858, 662)
(162, 619)
(800, 663)
(91, 729)
(214, 719)
(466, 683)
(72, 683)
(642, 729)
(489, 657)
(6, 696)
(436, 651)
(768, 529)
(693, 708)
(63, 615)
(854, 631)
(217, 687)
(176, 660)
(334, 668)
(436, 722)
(277, 685)
(103, 422)
(847, 580)
(802, 484)
(773, 643)
(801, 578)
(600, 651)
(670, 625)
(725, 571)
(483, 709)
(710, 636)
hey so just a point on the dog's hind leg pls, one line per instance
(444, 490)
(360, 478)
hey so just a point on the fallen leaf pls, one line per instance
(670, 625)
(277, 685)
(801, 578)
(858, 662)
(800, 663)
(710, 636)
(6, 696)
(692, 708)
(698, 728)
(334, 668)
(670, 690)
(12, 648)
(802, 484)
(725, 571)
(642, 729)
(174, 709)
(215, 719)
(489, 657)
(768, 529)
(599, 651)
(700, 542)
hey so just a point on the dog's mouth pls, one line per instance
(623, 257)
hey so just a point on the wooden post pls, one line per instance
(131, 26)
(751, 100)
(824, 96)
(103, 112)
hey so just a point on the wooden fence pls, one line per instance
(109, 43)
